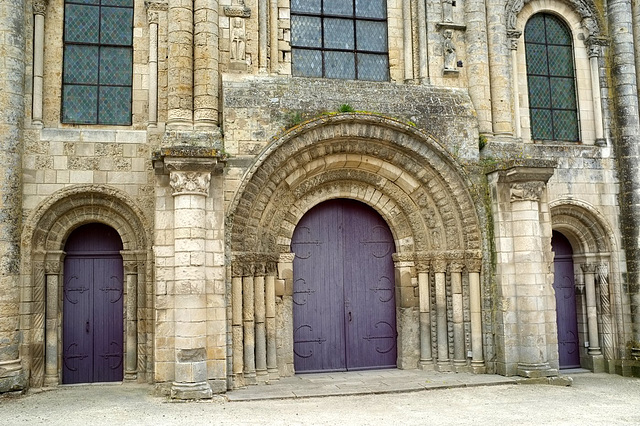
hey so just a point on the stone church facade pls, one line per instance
(212, 194)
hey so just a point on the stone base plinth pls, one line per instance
(200, 390)
(12, 377)
(536, 370)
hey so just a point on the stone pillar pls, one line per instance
(459, 356)
(205, 64)
(593, 45)
(423, 43)
(12, 71)
(270, 315)
(52, 280)
(263, 22)
(499, 68)
(407, 316)
(260, 318)
(606, 314)
(478, 62)
(589, 270)
(152, 17)
(190, 181)
(180, 65)
(526, 308)
(513, 43)
(285, 329)
(440, 268)
(424, 289)
(131, 354)
(39, 12)
(627, 142)
(407, 40)
(248, 322)
(237, 336)
(475, 308)
(273, 37)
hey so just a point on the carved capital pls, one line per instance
(456, 267)
(474, 265)
(40, 7)
(588, 268)
(440, 265)
(513, 38)
(153, 7)
(286, 257)
(190, 182)
(526, 191)
(130, 267)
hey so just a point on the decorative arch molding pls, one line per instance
(595, 253)
(584, 226)
(44, 236)
(586, 9)
(404, 174)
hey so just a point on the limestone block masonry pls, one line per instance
(478, 162)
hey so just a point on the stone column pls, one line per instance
(475, 308)
(52, 279)
(270, 315)
(526, 308)
(459, 356)
(260, 318)
(263, 41)
(589, 270)
(440, 268)
(205, 64)
(424, 288)
(190, 190)
(606, 315)
(627, 142)
(180, 65)
(248, 322)
(273, 37)
(478, 62)
(423, 43)
(152, 17)
(513, 43)
(593, 46)
(39, 12)
(407, 314)
(407, 40)
(499, 68)
(285, 337)
(12, 71)
(237, 335)
(131, 355)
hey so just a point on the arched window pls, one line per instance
(551, 79)
(344, 39)
(98, 62)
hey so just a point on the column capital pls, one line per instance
(588, 268)
(513, 38)
(153, 7)
(40, 7)
(184, 183)
(526, 191)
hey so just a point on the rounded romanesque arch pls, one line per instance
(44, 236)
(405, 175)
(420, 191)
(585, 9)
(598, 279)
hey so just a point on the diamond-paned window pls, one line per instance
(98, 62)
(345, 39)
(551, 79)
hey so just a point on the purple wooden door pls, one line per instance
(92, 306)
(344, 294)
(564, 286)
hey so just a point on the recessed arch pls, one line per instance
(404, 174)
(44, 236)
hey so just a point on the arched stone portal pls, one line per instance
(598, 293)
(45, 234)
(417, 188)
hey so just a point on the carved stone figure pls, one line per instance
(449, 51)
(238, 40)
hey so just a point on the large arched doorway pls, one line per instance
(565, 290)
(344, 293)
(93, 306)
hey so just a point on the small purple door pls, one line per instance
(344, 293)
(564, 286)
(92, 335)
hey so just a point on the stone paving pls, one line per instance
(363, 383)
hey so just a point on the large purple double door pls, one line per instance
(93, 306)
(344, 294)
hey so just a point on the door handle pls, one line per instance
(349, 316)
(87, 326)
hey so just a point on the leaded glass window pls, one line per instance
(551, 79)
(98, 62)
(344, 39)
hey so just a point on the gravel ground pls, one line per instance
(594, 399)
